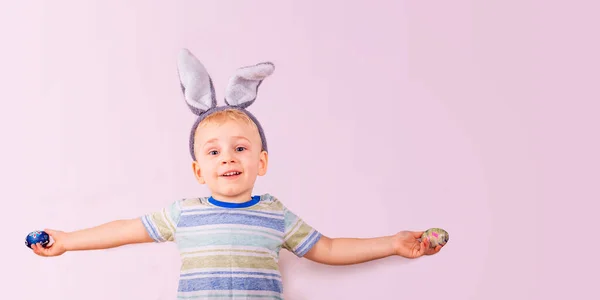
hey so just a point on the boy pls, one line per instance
(230, 241)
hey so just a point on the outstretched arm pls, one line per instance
(109, 235)
(348, 251)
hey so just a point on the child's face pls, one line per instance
(228, 159)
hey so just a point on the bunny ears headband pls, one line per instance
(199, 92)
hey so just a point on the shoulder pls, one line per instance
(268, 198)
(191, 203)
(269, 202)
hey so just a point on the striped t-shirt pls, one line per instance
(231, 251)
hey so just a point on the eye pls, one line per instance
(213, 152)
(240, 149)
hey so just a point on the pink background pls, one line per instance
(478, 117)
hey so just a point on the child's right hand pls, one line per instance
(57, 248)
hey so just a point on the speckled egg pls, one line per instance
(38, 236)
(437, 236)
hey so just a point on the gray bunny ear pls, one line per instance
(243, 87)
(196, 84)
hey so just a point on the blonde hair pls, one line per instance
(222, 116)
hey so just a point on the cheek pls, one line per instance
(207, 167)
(252, 163)
(255, 164)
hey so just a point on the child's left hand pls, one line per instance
(407, 244)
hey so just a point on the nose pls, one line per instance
(227, 158)
(227, 161)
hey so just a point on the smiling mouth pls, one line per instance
(232, 173)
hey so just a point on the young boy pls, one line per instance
(230, 241)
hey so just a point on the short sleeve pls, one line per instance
(299, 236)
(161, 224)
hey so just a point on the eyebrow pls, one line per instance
(233, 137)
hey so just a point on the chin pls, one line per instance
(232, 191)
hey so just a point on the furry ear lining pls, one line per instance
(243, 87)
(196, 84)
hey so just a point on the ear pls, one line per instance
(263, 163)
(243, 87)
(198, 172)
(196, 84)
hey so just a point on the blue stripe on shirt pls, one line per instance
(308, 243)
(228, 210)
(153, 232)
(231, 218)
(230, 284)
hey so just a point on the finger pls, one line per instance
(51, 241)
(36, 249)
(423, 246)
(50, 232)
(417, 234)
(429, 249)
(434, 250)
(40, 250)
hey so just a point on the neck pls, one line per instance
(241, 198)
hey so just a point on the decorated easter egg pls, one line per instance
(436, 236)
(38, 236)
